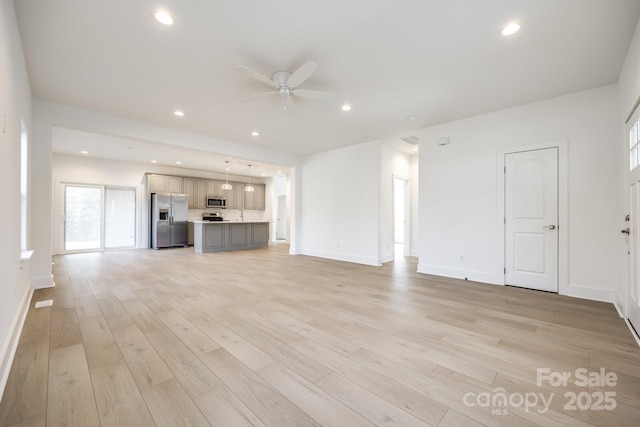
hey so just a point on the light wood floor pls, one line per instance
(175, 338)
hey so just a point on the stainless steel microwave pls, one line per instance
(216, 202)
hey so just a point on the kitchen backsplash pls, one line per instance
(230, 214)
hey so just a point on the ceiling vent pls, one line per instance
(411, 140)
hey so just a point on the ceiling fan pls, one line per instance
(286, 85)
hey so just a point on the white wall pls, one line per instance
(339, 210)
(414, 190)
(87, 170)
(15, 105)
(629, 93)
(392, 164)
(459, 189)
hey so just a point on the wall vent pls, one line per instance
(411, 140)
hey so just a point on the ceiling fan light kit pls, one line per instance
(286, 85)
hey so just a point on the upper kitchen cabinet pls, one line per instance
(255, 199)
(189, 185)
(201, 194)
(230, 195)
(165, 184)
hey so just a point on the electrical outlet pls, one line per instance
(461, 258)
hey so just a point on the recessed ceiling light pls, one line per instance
(154, 161)
(163, 17)
(178, 163)
(255, 133)
(346, 107)
(179, 113)
(511, 28)
(412, 118)
(279, 171)
(84, 152)
(414, 149)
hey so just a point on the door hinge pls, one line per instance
(505, 169)
(505, 270)
(505, 219)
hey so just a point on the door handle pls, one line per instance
(626, 231)
(550, 227)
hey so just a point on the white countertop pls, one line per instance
(248, 221)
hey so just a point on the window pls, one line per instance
(98, 218)
(24, 164)
(634, 138)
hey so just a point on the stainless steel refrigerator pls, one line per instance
(169, 220)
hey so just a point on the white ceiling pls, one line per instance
(439, 60)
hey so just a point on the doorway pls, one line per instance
(633, 223)
(400, 223)
(281, 222)
(531, 217)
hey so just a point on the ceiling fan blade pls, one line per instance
(313, 94)
(289, 105)
(257, 76)
(257, 95)
(302, 74)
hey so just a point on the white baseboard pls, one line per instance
(387, 258)
(342, 257)
(476, 276)
(11, 345)
(602, 295)
(42, 282)
(620, 305)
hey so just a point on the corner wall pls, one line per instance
(15, 105)
(459, 189)
(339, 217)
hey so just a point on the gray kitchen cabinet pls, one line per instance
(215, 237)
(239, 235)
(189, 185)
(230, 195)
(164, 184)
(212, 188)
(255, 199)
(190, 233)
(229, 236)
(238, 195)
(259, 234)
(201, 194)
(260, 197)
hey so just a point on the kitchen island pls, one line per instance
(218, 236)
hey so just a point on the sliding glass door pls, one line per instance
(98, 218)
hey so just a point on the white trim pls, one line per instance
(632, 331)
(42, 282)
(376, 262)
(387, 258)
(619, 305)
(563, 206)
(476, 276)
(11, 345)
(603, 295)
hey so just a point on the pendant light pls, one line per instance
(226, 185)
(249, 187)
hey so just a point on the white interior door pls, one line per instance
(531, 219)
(281, 225)
(634, 224)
